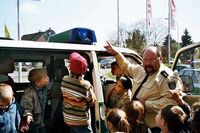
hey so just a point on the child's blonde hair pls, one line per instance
(119, 120)
(36, 74)
(6, 92)
(134, 111)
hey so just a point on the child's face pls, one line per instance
(118, 88)
(116, 70)
(159, 120)
(4, 104)
(44, 81)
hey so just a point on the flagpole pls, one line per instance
(169, 35)
(118, 24)
(18, 38)
(147, 36)
(18, 24)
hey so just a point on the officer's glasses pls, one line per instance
(151, 60)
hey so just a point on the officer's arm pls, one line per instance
(128, 68)
(156, 105)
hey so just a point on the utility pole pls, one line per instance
(118, 43)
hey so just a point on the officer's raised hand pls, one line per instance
(110, 49)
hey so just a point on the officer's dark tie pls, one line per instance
(138, 89)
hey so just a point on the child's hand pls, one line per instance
(174, 94)
(24, 128)
(29, 119)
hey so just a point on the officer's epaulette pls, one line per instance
(164, 73)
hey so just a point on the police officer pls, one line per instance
(151, 81)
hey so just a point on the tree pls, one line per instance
(123, 34)
(136, 41)
(186, 40)
(156, 32)
(129, 35)
(174, 46)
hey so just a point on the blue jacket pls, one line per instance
(10, 118)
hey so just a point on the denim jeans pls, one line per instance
(155, 130)
(80, 129)
(37, 129)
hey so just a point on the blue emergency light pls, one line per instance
(75, 35)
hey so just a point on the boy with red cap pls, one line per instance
(78, 96)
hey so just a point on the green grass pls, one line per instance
(195, 91)
(109, 76)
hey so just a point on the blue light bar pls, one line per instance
(75, 35)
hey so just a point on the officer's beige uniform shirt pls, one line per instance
(153, 91)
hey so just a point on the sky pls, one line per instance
(99, 15)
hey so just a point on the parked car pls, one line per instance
(195, 64)
(190, 76)
(194, 74)
(182, 66)
(106, 63)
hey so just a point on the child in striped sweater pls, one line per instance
(78, 96)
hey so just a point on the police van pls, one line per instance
(29, 55)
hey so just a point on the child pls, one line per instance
(33, 101)
(135, 113)
(195, 119)
(170, 119)
(10, 112)
(121, 93)
(115, 70)
(117, 121)
(109, 85)
(78, 96)
(175, 95)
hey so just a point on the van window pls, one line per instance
(105, 66)
(20, 74)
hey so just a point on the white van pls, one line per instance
(29, 55)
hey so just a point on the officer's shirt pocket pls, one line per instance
(150, 90)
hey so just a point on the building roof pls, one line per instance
(40, 36)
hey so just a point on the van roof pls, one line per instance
(56, 46)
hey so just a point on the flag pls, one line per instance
(7, 34)
(149, 12)
(172, 13)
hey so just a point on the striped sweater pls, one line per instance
(78, 96)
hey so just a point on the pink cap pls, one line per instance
(78, 64)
